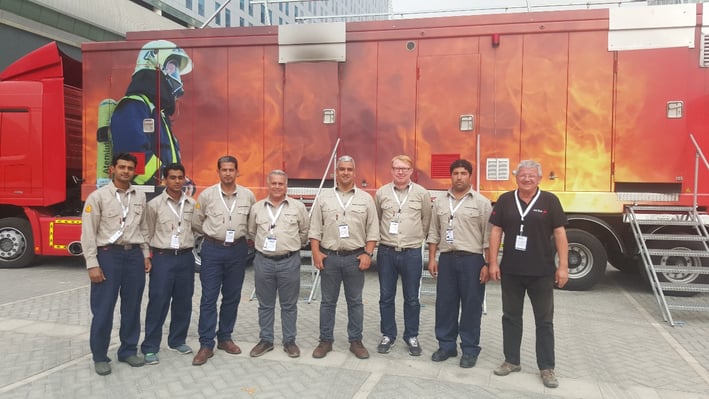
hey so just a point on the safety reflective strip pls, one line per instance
(51, 231)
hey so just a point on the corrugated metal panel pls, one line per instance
(440, 165)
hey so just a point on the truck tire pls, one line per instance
(587, 260)
(689, 261)
(16, 243)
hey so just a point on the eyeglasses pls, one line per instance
(401, 169)
(527, 177)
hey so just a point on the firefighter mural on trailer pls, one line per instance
(129, 125)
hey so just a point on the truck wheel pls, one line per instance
(196, 251)
(685, 261)
(16, 243)
(587, 260)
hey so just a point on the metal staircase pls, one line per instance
(674, 245)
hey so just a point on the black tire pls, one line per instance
(16, 243)
(587, 260)
(685, 278)
(625, 264)
(196, 251)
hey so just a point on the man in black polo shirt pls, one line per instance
(528, 217)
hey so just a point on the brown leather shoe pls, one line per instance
(322, 349)
(229, 347)
(202, 356)
(261, 348)
(359, 350)
(291, 349)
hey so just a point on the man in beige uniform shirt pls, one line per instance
(344, 229)
(113, 237)
(279, 225)
(461, 231)
(404, 209)
(221, 214)
(169, 217)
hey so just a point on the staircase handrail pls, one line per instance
(324, 176)
(698, 154)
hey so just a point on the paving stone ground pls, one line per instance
(611, 343)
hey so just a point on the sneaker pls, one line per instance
(102, 368)
(549, 378)
(506, 368)
(261, 348)
(184, 349)
(385, 345)
(414, 346)
(151, 358)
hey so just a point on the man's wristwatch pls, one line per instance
(371, 254)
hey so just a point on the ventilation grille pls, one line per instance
(498, 169)
(704, 53)
(441, 164)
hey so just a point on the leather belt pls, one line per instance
(120, 247)
(175, 252)
(458, 253)
(342, 252)
(398, 249)
(224, 243)
(278, 257)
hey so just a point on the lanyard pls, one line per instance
(274, 218)
(344, 206)
(179, 215)
(453, 210)
(124, 209)
(402, 202)
(230, 210)
(526, 211)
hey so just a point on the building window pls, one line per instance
(200, 7)
(218, 18)
(227, 17)
(241, 5)
(263, 16)
(251, 9)
(241, 21)
(188, 4)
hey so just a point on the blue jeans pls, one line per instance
(282, 278)
(171, 286)
(341, 270)
(541, 295)
(222, 269)
(125, 274)
(407, 264)
(458, 288)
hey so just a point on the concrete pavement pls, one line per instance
(611, 343)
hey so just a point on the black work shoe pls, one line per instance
(133, 361)
(385, 345)
(468, 361)
(261, 348)
(441, 355)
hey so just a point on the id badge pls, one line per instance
(269, 244)
(394, 227)
(449, 235)
(521, 243)
(115, 237)
(344, 231)
(175, 241)
(229, 236)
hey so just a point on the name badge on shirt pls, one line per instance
(449, 235)
(175, 241)
(521, 243)
(394, 227)
(229, 236)
(344, 231)
(269, 244)
(115, 236)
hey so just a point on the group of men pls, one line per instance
(124, 237)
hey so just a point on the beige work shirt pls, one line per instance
(213, 217)
(290, 229)
(102, 216)
(411, 213)
(167, 217)
(360, 217)
(471, 229)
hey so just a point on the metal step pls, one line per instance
(678, 252)
(681, 269)
(674, 237)
(684, 287)
(655, 222)
(654, 208)
(687, 306)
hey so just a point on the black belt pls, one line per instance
(459, 253)
(120, 247)
(398, 249)
(224, 243)
(342, 252)
(278, 257)
(162, 251)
